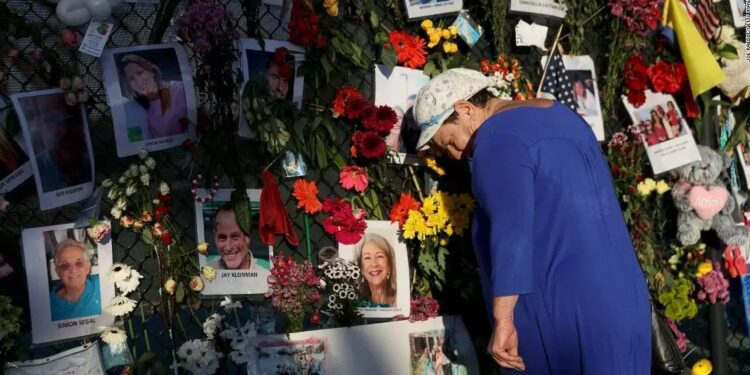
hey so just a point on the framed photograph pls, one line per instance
(664, 132)
(150, 89)
(57, 135)
(429, 8)
(743, 154)
(739, 8)
(242, 262)
(292, 357)
(383, 260)
(582, 75)
(428, 356)
(397, 87)
(544, 8)
(282, 81)
(64, 271)
(15, 166)
(82, 360)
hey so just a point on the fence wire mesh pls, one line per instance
(133, 23)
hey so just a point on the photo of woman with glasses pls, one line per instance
(76, 294)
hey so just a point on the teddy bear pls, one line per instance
(703, 201)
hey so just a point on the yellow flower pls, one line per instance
(208, 273)
(196, 284)
(202, 248)
(704, 268)
(454, 47)
(453, 30)
(447, 47)
(426, 24)
(413, 225)
(432, 164)
(662, 187)
(443, 242)
(446, 34)
(170, 286)
(646, 187)
(434, 40)
(702, 367)
(332, 7)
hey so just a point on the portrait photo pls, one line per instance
(384, 263)
(150, 89)
(66, 266)
(277, 72)
(663, 131)
(739, 8)
(428, 355)
(57, 135)
(743, 154)
(292, 357)
(397, 87)
(242, 262)
(429, 8)
(15, 166)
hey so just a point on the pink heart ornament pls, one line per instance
(707, 203)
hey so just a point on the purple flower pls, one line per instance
(713, 286)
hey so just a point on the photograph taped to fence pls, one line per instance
(241, 261)
(397, 87)
(383, 260)
(81, 360)
(664, 132)
(15, 166)
(429, 8)
(150, 89)
(65, 269)
(57, 135)
(276, 70)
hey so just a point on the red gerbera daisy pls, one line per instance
(355, 108)
(410, 49)
(382, 119)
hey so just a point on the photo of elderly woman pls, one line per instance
(150, 89)
(376, 261)
(384, 265)
(152, 81)
(74, 291)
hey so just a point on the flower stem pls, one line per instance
(145, 331)
(132, 335)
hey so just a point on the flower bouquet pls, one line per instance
(295, 291)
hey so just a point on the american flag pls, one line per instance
(556, 84)
(704, 16)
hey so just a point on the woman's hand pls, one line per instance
(504, 345)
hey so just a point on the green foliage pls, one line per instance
(10, 327)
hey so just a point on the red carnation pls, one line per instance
(636, 97)
(368, 144)
(159, 212)
(166, 239)
(304, 24)
(336, 206)
(381, 119)
(355, 107)
(343, 96)
(667, 78)
(635, 73)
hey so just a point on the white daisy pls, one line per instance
(116, 339)
(118, 272)
(119, 306)
(131, 283)
(190, 351)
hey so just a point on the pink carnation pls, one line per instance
(353, 177)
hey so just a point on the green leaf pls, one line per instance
(389, 57)
(374, 20)
(180, 293)
(147, 237)
(429, 69)
(241, 205)
(728, 51)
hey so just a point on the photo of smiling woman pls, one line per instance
(375, 258)
(382, 258)
(76, 294)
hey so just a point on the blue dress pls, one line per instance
(548, 227)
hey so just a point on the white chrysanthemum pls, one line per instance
(107, 183)
(118, 272)
(133, 170)
(121, 180)
(145, 178)
(242, 343)
(116, 339)
(131, 283)
(229, 333)
(142, 154)
(164, 188)
(116, 212)
(210, 325)
(130, 190)
(121, 203)
(150, 163)
(227, 304)
(113, 193)
(142, 169)
(119, 306)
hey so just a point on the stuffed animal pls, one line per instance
(703, 201)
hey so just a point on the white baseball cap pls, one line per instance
(434, 103)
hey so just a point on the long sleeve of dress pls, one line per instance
(503, 184)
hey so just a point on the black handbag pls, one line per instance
(666, 357)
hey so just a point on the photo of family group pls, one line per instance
(57, 135)
(397, 87)
(242, 262)
(292, 358)
(15, 167)
(72, 265)
(383, 261)
(427, 354)
(663, 131)
(150, 90)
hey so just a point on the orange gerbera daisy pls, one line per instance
(400, 211)
(410, 49)
(306, 193)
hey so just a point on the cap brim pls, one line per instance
(426, 134)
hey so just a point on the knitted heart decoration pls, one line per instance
(707, 203)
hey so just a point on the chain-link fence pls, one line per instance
(133, 23)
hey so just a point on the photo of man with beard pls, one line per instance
(233, 244)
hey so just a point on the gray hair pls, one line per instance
(69, 242)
